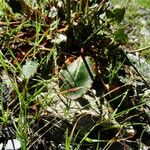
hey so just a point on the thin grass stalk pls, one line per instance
(80, 6)
(67, 143)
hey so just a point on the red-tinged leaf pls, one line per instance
(75, 78)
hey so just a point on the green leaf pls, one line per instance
(119, 14)
(75, 78)
(120, 36)
(30, 68)
(116, 14)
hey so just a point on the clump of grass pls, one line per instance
(39, 47)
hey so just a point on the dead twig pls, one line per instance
(139, 50)
(10, 23)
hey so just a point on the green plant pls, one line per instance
(64, 58)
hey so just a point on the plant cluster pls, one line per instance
(66, 82)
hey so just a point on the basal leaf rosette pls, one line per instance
(75, 78)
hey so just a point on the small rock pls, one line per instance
(1, 146)
(13, 144)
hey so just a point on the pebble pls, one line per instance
(13, 144)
